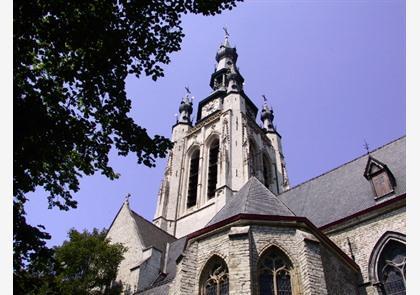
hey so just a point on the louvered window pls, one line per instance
(193, 179)
(212, 172)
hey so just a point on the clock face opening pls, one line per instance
(210, 108)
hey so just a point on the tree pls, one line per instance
(87, 263)
(70, 105)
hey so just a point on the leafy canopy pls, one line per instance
(71, 60)
(88, 263)
(70, 105)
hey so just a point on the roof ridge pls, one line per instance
(274, 196)
(346, 163)
(284, 204)
(247, 195)
(152, 224)
(270, 194)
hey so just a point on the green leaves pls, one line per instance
(88, 263)
(71, 60)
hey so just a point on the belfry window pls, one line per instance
(212, 171)
(193, 179)
(215, 278)
(274, 273)
(266, 171)
(391, 268)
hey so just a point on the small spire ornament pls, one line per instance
(366, 146)
(127, 197)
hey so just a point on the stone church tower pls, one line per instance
(227, 222)
(213, 159)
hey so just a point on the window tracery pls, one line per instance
(274, 274)
(392, 268)
(215, 278)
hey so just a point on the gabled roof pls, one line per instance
(252, 198)
(374, 166)
(345, 191)
(152, 235)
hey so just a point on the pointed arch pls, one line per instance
(274, 271)
(387, 263)
(214, 277)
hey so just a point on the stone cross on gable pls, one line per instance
(127, 197)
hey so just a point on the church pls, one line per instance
(227, 220)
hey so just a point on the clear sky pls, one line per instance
(333, 71)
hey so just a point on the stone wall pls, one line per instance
(364, 236)
(339, 278)
(241, 247)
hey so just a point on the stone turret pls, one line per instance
(226, 76)
(186, 109)
(267, 116)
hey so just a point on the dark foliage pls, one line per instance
(71, 59)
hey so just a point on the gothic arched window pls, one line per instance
(274, 273)
(391, 268)
(267, 170)
(215, 278)
(212, 172)
(193, 179)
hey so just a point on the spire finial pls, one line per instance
(226, 32)
(188, 89)
(366, 146)
(127, 198)
(265, 98)
(267, 115)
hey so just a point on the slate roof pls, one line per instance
(331, 196)
(344, 191)
(151, 234)
(252, 198)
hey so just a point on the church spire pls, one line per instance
(186, 108)
(226, 76)
(267, 116)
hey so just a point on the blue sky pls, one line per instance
(333, 71)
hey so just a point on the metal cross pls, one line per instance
(366, 146)
(226, 32)
(188, 89)
(265, 98)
